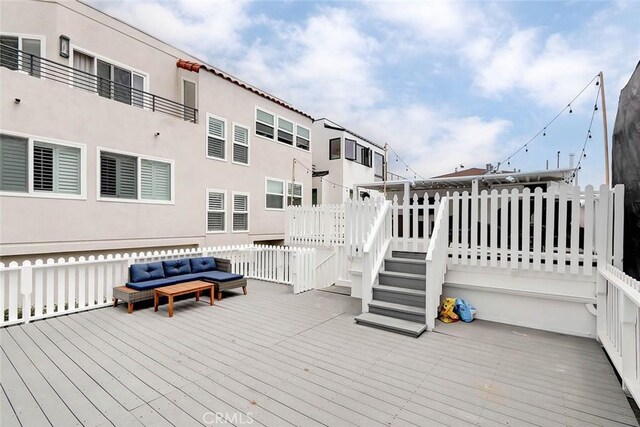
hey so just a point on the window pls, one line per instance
(216, 211)
(118, 176)
(302, 137)
(378, 171)
(349, 149)
(30, 58)
(54, 168)
(294, 198)
(265, 124)
(132, 177)
(216, 138)
(14, 159)
(275, 194)
(285, 131)
(240, 144)
(110, 81)
(84, 74)
(189, 100)
(334, 148)
(155, 180)
(240, 212)
(357, 153)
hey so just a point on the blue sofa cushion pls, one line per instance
(173, 280)
(176, 267)
(202, 264)
(220, 276)
(145, 272)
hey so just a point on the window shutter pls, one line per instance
(108, 176)
(127, 188)
(216, 212)
(155, 180)
(216, 127)
(216, 138)
(241, 145)
(240, 212)
(13, 164)
(42, 168)
(68, 162)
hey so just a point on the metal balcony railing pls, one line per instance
(37, 66)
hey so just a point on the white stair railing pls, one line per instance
(618, 320)
(374, 251)
(436, 262)
(359, 217)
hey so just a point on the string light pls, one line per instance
(406, 165)
(322, 179)
(583, 153)
(543, 131)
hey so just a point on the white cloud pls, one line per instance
(201, 27)
(324, 66)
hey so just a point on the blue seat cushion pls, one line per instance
(220, 276)
(145, 272)
(176, 267)
(173, 280)
(202, 264)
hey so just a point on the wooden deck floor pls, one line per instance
(279, 359)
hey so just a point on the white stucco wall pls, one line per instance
(54, 111)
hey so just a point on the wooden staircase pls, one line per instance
(398, 303)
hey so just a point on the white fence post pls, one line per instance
(26, 288)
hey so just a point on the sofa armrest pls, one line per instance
(223, 265)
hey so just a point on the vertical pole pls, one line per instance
(405, 216)
(384, 172)
(607, 178)
(293, 179)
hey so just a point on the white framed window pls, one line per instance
(265, 123)
(32, 47)
(216, 211)
(216, 138)
(240, 217)
(189, 99)
(240, 144)
(285, 131)
(303, 136)
(294, 194)
(274, 194)
(135, 178)
(41, 167)
(108, 78)
(378, 167)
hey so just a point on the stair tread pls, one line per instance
(399, 290)
(401, 325)
(406, 260)
(398, 307)
(404, 275)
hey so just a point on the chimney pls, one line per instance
(489, 167)
(571, 156)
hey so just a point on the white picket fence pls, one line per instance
(32, 291)
(321, 225)
(554, 231)
(413, 222)
(619, 324)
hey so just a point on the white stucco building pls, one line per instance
(342, 159)
(112, 140)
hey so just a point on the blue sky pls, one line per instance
(444, 83)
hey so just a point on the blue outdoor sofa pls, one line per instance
(144, 278)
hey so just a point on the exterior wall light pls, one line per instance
(64, 46)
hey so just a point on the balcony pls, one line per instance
(43, 68)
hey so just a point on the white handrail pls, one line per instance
(436, 262)
(619, 315)
(374, 250)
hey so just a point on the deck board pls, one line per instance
(281, 359)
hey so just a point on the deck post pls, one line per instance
(628, 346)
(26, 288)
(405, 215)
(602, 218)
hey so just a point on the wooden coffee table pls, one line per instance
(197, 286)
